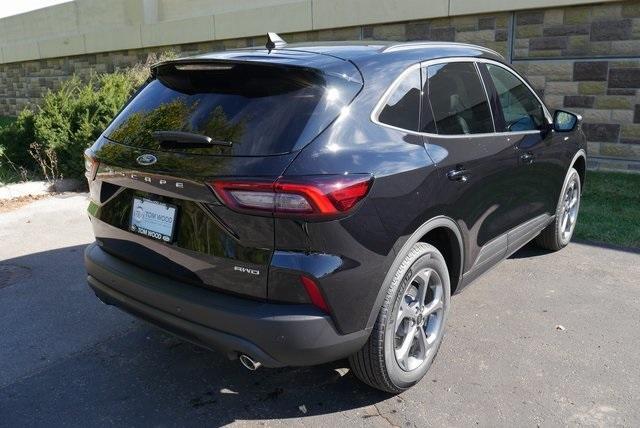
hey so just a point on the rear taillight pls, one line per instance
(309, 197)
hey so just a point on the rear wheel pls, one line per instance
(558, 234)
(410, 326)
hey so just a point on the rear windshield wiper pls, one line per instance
(179, 139)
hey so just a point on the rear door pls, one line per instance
(193, 122)
(475, 167)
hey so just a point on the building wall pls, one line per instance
(587, 60)
(584, 58)
(91, 26)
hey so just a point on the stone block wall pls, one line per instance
(587, 59)
(582, 58)
(22, 84)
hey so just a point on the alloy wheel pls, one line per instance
(570, 205)
(419, 321)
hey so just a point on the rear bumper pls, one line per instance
(275, 334)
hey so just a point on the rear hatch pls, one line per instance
(233, 115)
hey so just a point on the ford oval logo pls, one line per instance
(147, 159)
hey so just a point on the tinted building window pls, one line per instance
(458, 99)
(520, 108)
(402, 109)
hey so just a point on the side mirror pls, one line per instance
(564, 121)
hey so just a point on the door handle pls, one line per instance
(527, 158)
(458, 174)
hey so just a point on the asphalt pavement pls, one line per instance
(544, 339)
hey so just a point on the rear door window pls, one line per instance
(402, 107)
(458, 100)
(519, 106)
(261, 109)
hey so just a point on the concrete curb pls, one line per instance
(36, 188)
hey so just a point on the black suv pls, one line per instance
(294, 205)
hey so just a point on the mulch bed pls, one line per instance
(7, 205)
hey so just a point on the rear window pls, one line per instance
(261, 109)
(402, 108)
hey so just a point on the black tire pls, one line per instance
(376, 363)
(553, 237)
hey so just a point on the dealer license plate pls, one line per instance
(153, 219)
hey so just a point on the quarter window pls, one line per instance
(458, 100)
(521, 109)
(402, 108)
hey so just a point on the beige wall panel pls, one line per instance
(169, 10)
(340, 13)
(20, 52)
(96, 14)
(50, 21)
(179, 31)
(289, 17)
(134, 12)
(116, 24)
(462, 7)
(55, 21)
(113, 39)
(180, 9)
(61, 46)
(11, 29)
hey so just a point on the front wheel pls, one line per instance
(409, 329)
(558, 234)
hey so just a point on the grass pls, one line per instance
(610, 209)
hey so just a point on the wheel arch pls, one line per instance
(579, 162)
(441, 232)
(450, 245)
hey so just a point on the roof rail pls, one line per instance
(411, 45)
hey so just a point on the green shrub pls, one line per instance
(6, 121)
(13, 143)
(68, 120)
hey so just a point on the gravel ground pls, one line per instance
(541, 340)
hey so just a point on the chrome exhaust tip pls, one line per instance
(250, 363)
